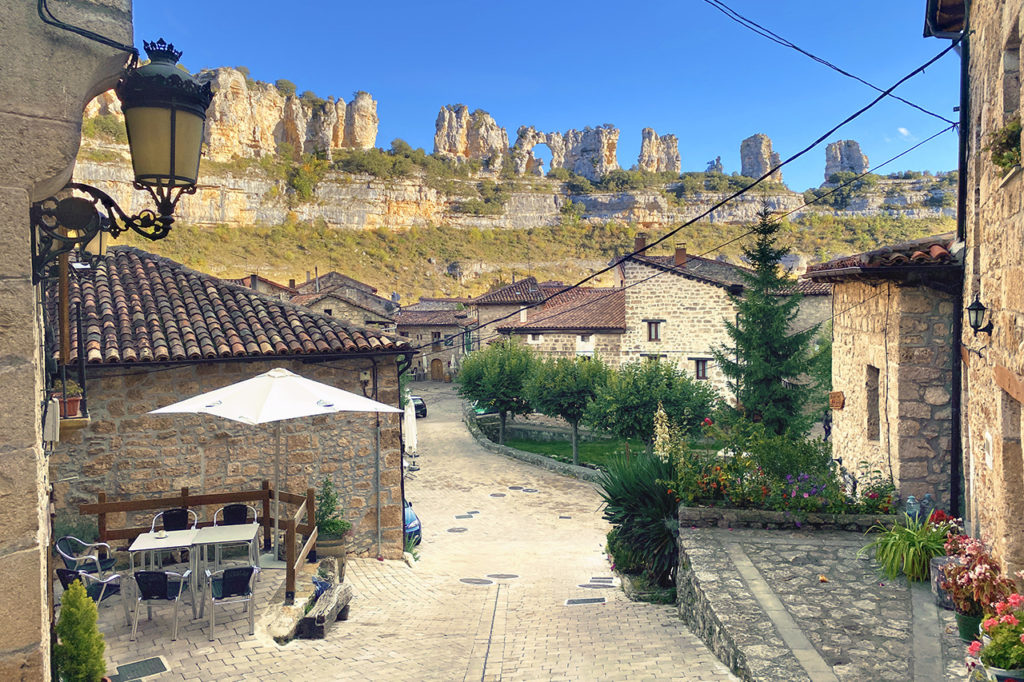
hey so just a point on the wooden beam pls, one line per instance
(1010, 382)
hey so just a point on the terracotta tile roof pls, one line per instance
(928, 252)
(138, 307)
(432, 303)
(808, 287)
(703, 269)
(524, 291)
(591, 309)
(247, 281)
(432, 318)
(333, 280)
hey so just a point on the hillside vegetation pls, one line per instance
(450, 261)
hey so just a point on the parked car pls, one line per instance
(419, 406)
(413, 528)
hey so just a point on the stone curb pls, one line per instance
(582, 473)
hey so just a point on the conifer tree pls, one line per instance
(768, 362)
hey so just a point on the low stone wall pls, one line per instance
(726, 517)
(536, 432)
(582, 473)
(718, 609)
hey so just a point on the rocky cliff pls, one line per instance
(844, 156)
(250, 119)
(463, 136)
(658, 154)
(589, 153)
(757, 158)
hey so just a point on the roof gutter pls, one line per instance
(305, 359)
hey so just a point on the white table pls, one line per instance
(242, 533)
(167, 540)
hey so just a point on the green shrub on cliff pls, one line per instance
(105, 127)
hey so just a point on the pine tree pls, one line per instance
(768, 363)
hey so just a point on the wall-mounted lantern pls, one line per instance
(976, 317)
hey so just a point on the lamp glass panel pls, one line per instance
(149, 135)
(187, 146)
(975, 315)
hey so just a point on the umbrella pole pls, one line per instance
(277, 486)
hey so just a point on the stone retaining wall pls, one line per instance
(725, 517)
(582, 473)
(536, 432)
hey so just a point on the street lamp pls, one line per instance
(165, 112)
(976, 316)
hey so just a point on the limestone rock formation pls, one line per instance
(757, 157)
(361, 122)
(249, 119)
(715, 166)
(658, 154)
(461, 135)
(844, 156)
(589, 152)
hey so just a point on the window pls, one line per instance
(329, 311)
(536, 338)
(584, 338)
(874, 429)
(435, 340)
(700, 368)
(654, 330)
(1011, 76)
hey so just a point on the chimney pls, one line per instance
(640, 241)
(252, 281)
(680, 260)
(522, 313)
(316, 276)
(291, 284)
(307, 275)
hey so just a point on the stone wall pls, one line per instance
(450, 356)
(131, 455)
(48, 75)
(992, 393)
(568, 345)
(343, 310)
(901, 425)
(693, 312)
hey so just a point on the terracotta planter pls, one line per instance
(70, 407)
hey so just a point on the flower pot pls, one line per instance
(969, 627)
(1001, 675)
(334, 547)
(942, 597)
(70, 407)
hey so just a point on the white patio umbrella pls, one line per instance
(273, 397)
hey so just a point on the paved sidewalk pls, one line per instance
(484, 603)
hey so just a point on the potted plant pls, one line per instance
(78, 653)
(941, 596)
(1002, 651)
(70, 395)
(330, 524)
(909, 546)
(973, 579)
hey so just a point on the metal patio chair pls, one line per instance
(231, 586)
(236, 515)
(160, 586)
(79, 555)
(98, 589)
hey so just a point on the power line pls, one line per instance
(740, 192)
(701, 255)
(776, 38)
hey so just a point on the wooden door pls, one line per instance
(436, 370)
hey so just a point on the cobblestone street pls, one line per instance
(531, 540)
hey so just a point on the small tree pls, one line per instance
(768, 364)
(495, 376)
(79, 650)
(625, 405)
(328, 515)
(564, 387)
(285, 87)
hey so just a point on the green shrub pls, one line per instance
(285, 87)
(623, 560)
(1004, 146)
(79, 651)
(328, 515)
(305, 176)
(908, 547)
(105, 127)
(643, 511)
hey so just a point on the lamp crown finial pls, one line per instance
(161, 50)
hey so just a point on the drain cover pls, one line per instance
(463, 516)
(476, 581)
(139, 669)
(473, 512)
(515, 487)
(591, 600)
(457, 530)
(502, 576)
(530, 490)
(597, 586)
(497, 494)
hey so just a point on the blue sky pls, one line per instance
(679, 67)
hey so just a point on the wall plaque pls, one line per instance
(836, 400)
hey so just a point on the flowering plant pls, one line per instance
(973, 578)
(1005, 629)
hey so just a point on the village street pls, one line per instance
(426, 623)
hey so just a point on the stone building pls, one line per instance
(156, 332)
(892, 362)
(358, 293)
(265, 286)
(47, 78)
(585, 321)
(676, 307)
(338, 305)
(442, 339)
(993, 229)
(506, 304)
